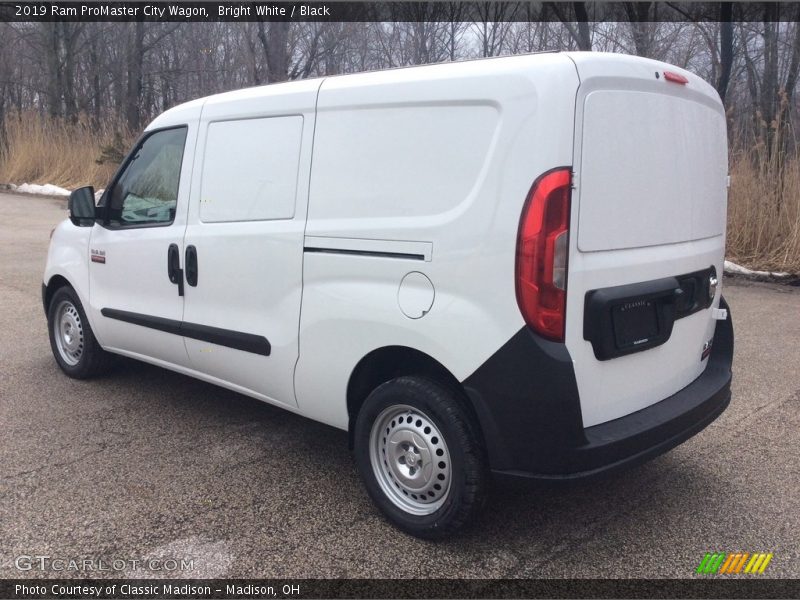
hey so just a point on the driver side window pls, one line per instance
(146, 192)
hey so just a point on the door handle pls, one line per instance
(191, 266)
(174, 271)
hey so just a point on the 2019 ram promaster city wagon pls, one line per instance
(507, 265)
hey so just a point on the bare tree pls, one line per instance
(274, 38)
(725, 48)
(578, 26)
(642, 19)
(494, 25)
(130, 71)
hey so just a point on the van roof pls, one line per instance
(588, 64)
(298, 84)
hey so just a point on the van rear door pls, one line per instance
(647, 234)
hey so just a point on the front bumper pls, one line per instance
(545, 438)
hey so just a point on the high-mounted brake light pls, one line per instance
(675, 77)
(542, 248)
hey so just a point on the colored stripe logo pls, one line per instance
(721, 563)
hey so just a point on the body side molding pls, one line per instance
(247, 342)
(365, 253)
(410, 250)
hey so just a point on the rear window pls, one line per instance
(653, 170)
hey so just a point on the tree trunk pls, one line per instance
(638, 14)
(275, 44)
(94, 69)
(769, 81)
(794, 63)
(584, 35)
(725, 48)
(133, 113)
(51, 44)
(70, 33)
(581, 34)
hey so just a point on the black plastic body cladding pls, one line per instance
(526, 398)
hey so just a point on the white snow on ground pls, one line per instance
(48, 189)
(732, 267)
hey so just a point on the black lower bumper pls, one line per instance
(527, 401)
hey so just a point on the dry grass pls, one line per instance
(763, 208)
(46, 150)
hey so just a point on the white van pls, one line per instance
(504, 266)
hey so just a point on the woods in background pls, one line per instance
(135, 70)
(100, 83)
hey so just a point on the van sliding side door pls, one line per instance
(244, 239)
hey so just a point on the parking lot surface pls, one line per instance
(146, 463)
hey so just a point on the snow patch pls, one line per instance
(48, 189)
(732, 267)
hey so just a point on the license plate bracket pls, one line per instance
(630, 318)
(634, 322)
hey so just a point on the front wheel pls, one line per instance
(71, 338)
(420, 458)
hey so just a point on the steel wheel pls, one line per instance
(68, 332)
(410, 459)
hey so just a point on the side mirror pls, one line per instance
(81, 207)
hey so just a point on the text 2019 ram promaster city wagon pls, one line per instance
(508, 265)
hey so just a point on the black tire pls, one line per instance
(468, 472)
(88, 358)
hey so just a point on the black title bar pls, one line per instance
(335, 11)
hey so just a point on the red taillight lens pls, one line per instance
(542, 247)
(675, 77)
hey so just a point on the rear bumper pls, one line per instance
(531, 415)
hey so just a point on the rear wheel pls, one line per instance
(71, 338)
(419, 458)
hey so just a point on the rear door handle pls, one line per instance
(174, 271)
(191, 266)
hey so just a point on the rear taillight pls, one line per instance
(542, 248)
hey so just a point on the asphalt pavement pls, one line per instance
(145, 463)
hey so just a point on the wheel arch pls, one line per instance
(55, 283)
(388, 362)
